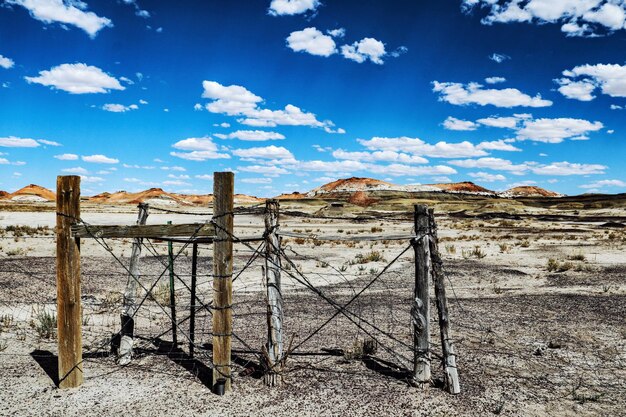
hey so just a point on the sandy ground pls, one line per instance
(531, 339)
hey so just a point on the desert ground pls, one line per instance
(536, 291)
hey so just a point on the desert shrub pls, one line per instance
(579, 256)
(552, 265)
(44, 323)
(504, 247)
(474, 253)
(376, 229)
(161, 293)
(450, 248)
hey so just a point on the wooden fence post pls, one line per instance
(223, 192)
(192, 307)
(68, 283)
(449, 356)
(170, 264)
(420, 312)
(130, 295)
(274, 347)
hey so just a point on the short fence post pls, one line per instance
(192, 307)
(420, 312)
(274, 348)
(170, 256)
(223, 192)
(130, 295)
(68, 283)
(449, 356)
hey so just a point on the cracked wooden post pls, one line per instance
(130, 294)
(223, 191)
(274, 348)
(420, 311)
(68, 283)
(451, 375)
(170, 265)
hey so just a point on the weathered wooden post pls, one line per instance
(420, 312)
(68, 283)
(130, 294)
(449, 356)
(274, 347)
(223, 191)
(192, 307)
(170, 257)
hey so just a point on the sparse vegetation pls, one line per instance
(44, 323)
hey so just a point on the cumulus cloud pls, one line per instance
(99, 159)
(495, 80)
(292, 7)
(579, 82)
(501, 122)
(201, 149)
(251, 135)
(366, 48)
(265, 152)
(556, 130)
(257, 180)
(67, 157)
(337, 33)
(577, 17)
(312, 41)
(387, 155)
(487, 177)
(76, 170)
(567, 168)
(416, 146)
(604, 184)
(452, 123)
(5, 62)
(119, 108)
(498, 145)
(235, 100)
(68, 12)
(499, 58)
(496, 164)
(48, 142)
(474, 93)
(269, 170)
(15, 142)
(77, 79)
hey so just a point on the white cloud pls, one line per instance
(265, 152)
(201, 149)
(143, 102)
(235, 100)
(501, 122)
(366, 48)
(495, 80)
(69, 12)
(387, 155)
(498, 145)
(398, 170)
(452, 123)
(77, 79)
(417, 146)
(257, 180)
(578, 17)
(252, 135)
(48, 142)
(14, 142)
(609, 78)
(557, 130)
(473, 93)
(119, 108)
(605, 183)
(616, 107)
(337, 33)
(76, 170)
(99, 159)
(496, 164)
(486, 177)
(567, 168)
(67, 157)
(5, 62)
(292, 7)
(88, 179)
(312, 41)
(175, 182)
(499, 58)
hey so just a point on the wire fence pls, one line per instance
(342, 305)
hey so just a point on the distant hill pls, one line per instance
(465, 187)
(32, 193)
(529, 191)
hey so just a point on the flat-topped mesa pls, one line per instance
(529, 191)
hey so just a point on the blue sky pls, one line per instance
(291, 94)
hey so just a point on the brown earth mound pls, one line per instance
(530, 191)
(34, 191)
(465, 186)
(354, 183)
(3, 194)
(361, 198)
(291, 196)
